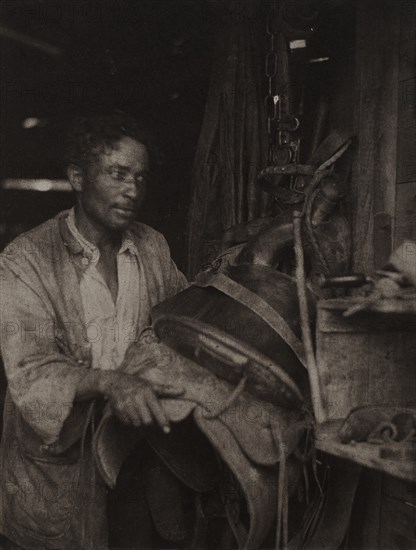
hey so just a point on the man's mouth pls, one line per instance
(126, 210)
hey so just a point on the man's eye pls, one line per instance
(118, 175)
(141, 178)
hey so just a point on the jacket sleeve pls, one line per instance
(42, 380)
(175, 280)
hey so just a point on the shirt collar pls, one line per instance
(127, 244)
(91, 251)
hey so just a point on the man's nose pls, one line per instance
(130, 189)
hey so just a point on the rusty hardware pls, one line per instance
(280, 123)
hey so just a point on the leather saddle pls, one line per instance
(242, 434)
(241, 394)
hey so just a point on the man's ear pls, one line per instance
(75, 177)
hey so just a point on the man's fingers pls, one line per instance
(158, 412)
(123, 414)
(168, 391)
(129, 412)
(140, 405)
(145, 414)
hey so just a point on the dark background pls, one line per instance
(150, 58)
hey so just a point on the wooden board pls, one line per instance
(405, 213)
(366, 454)
(396, 314)
(406, 136)
(408, 40)
(365, 359)
(374, 172)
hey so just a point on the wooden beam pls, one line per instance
(408, 40)
(406, 132)
(29, 41)
(405, 213)
(374, 172)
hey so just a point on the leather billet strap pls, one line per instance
(288, 169)
(260, 307)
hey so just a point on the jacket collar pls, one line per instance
(69, 240)
(76, 247)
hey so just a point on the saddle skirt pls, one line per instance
(239, 428)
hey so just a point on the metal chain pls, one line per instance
(280, 123)
(271, 67)
(283, 146)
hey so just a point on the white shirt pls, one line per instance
(110, 327)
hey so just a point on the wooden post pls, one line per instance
(406, 136)
(376, 117)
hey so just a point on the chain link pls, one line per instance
(280, 123)
(271, 67)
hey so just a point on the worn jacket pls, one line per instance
(51, 495)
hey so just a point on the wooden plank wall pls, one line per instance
(384, 214)
(406, 138)
(384, 172)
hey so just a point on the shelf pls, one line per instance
(367, 454)
(393, 306)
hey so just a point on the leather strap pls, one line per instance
(335, 515)
(244, 296)
(288, 169)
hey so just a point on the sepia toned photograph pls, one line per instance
(207, 274)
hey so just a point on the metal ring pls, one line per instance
(297, 124)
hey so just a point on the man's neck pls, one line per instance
(96, 234)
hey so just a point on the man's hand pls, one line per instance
(135, 401)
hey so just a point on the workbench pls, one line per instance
(368, 454)
(366, 359)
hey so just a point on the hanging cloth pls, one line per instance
(232, 145)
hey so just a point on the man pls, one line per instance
(75, 293)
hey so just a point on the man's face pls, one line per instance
(114, 187)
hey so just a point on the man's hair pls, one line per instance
(90, 135)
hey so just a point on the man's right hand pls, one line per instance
(136, 402)
(133, 400)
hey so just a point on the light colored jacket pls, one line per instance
(51, 493)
